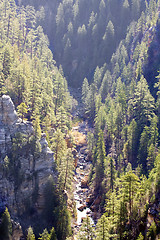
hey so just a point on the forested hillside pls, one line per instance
(29, 75)
(76, 28)
(111, 49)
(123, 104)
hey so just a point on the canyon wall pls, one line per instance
(23, 176)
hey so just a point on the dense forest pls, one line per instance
(110, 50)
(76, 28)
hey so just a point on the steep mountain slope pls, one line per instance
(24, 173)
(121, 103)
(39, 91)
(125, 142)
(76, 28)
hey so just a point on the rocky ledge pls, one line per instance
(23, 180)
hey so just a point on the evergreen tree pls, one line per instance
(52, 235)
(152, 231)
(59, 147)
(62, 119)
(63, 227)
(86, 231)
(143, 147)
(2, 85)
(110, 171)
(106, 85)
(102, 228)
(66, 170)
(140, 237)
(100, 119)
(7, 61)
(22, 110)
(143, 104)
(44, 235)
(131, 143)
(30, 234)
(85, 90)
(100, 159)
(5, 225)
(130, 183)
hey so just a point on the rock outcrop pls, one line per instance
(22, 178)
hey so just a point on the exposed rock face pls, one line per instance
(16, 231)
(22, 185)
(8, 114)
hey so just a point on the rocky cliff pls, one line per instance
(23, 174)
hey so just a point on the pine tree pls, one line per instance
(66, 170)
(130, 183)
(7, 61)
(102, 231)
(100, 159)
(122, 218)
(85, 90)
(22, 110)
(110, 171)
(44, 235)
(86, 231)
(100, 119)
(152, 231)
(140, 237)
(85, 96)
(151, 156)
(143, 147)
(106, 85)
(6, 225)
(2, 85)
(63, 227)
(142, 104)
(30, 234)
(35, 143)
(52, 235)
(62, 119)
(59, 147)
(37, 128)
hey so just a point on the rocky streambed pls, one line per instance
(82, 190)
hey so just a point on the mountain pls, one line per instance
(110, 49)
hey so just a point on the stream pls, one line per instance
(82, 190)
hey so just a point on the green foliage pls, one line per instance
(44, 235)
(30, 234)
(143, 103)
(119, 103)
(22, 110)
(48, 236)
(52, 235)
(6, 61)
(100, 159)
(151, 233)
(77, 32)
(66, 171)
(63, 227)
(59, 147)
(6, 163)
(2, 85)
(62, 120)
(28, 71)
(85, 93)
(37, 128)
(86, 230)
(5, 225)
(102, 228)
(51, 200)
(140, 237)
